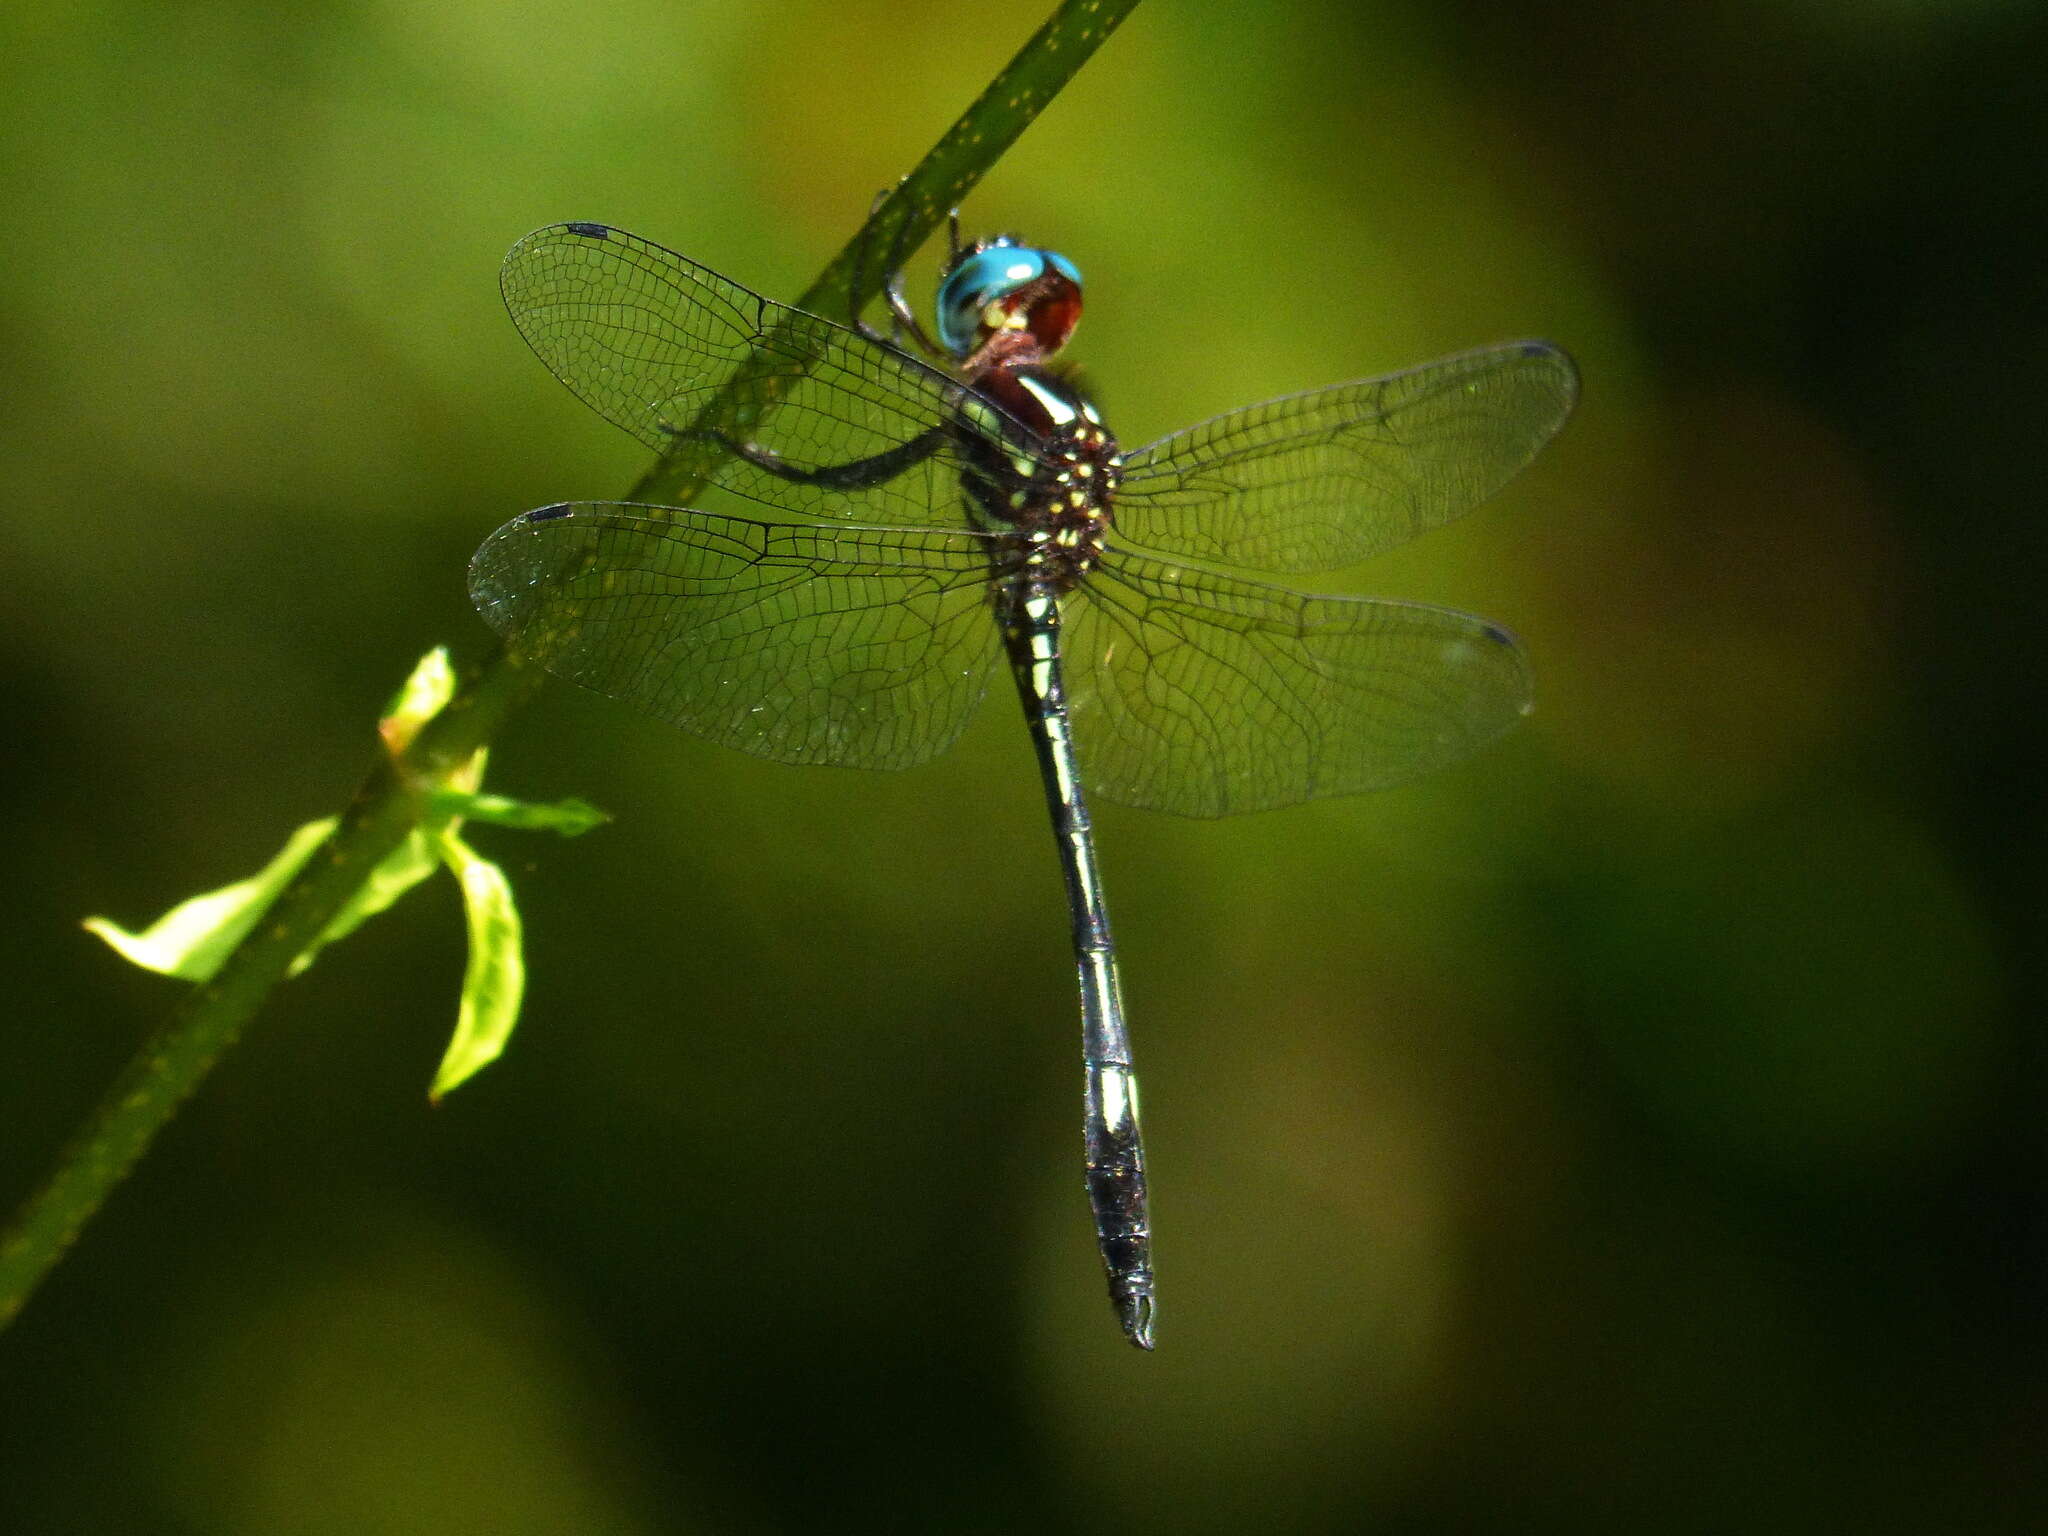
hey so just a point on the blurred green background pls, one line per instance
(1636, 1129)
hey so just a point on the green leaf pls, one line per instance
(192, 939)
(398, 872)
(494, 981)
(571, 818)
(419, 698)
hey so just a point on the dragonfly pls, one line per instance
(922, 515)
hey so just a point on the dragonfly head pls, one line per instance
(1005, 285)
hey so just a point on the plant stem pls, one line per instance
(177, 1056)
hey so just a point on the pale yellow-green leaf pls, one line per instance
(571, 817)
(192, 939)
(419, 698)
(494, 980)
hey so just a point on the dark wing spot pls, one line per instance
(590, 231)
(1492, 631)
(543, 514)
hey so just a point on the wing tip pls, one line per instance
(1536, 348)
(583, 229)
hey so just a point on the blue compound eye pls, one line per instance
(988, 277)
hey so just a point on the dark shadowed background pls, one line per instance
(1635, 1129)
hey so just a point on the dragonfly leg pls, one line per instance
(860, 474)
(906, 317)
(906, 320)
(857, 285)
(902, 318)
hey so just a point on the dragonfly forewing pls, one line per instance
(670, 350)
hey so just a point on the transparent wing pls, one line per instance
(1316, 481)
(1207, 695)
(864, 647)
(651, 340)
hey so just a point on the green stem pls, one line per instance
(176, 1058)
